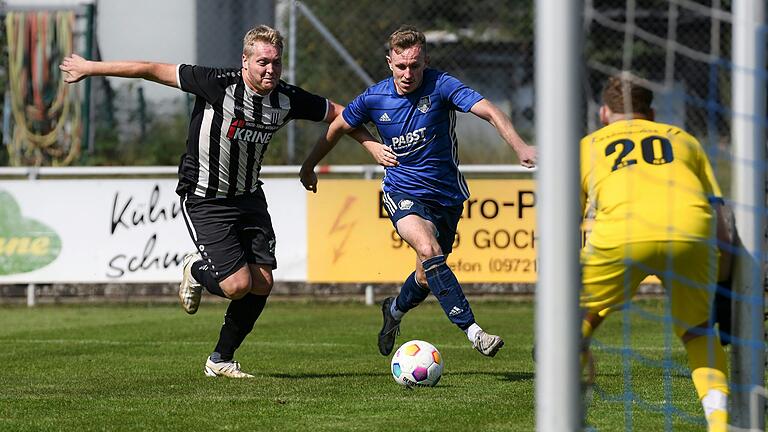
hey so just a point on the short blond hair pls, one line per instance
(264, 34)
(405, 37)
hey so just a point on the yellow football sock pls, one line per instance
(585, 358)
(718, 421)
(586, 329)
(706, 359)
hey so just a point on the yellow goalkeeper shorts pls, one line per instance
(687, 270)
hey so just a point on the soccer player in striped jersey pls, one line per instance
(414, 111)
(236, 113)
(658, 210)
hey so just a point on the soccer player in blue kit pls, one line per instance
(414, 111)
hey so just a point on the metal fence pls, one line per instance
(341, 49)
(680, 48)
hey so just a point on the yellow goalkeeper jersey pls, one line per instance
(647, 181)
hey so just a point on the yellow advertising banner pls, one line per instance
(351, 239)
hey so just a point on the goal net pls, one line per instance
(682, 51)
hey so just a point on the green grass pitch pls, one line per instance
(139, 368)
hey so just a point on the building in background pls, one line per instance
(221, 25)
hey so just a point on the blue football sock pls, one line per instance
(411, 294)
(445, 286)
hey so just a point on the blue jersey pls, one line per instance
(419, 128)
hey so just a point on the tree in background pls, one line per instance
(131, 131)
(487, 46)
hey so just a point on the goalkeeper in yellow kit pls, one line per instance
(657, 210)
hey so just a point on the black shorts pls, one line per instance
(230, 232)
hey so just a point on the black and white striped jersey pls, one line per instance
(231, 128)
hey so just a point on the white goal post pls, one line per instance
(748, 126)
(558, 88)
(558, 68)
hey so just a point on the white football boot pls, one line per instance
(487, 344)
(190, 291)
(230, 369)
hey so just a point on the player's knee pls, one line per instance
(236, 286)
(427, 251)
(236, 292)
(262, 285)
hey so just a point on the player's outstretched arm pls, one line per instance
(381, 153)
(76, 68)
(325, 143)
(360, 134)
(323, 146)
(492, 114)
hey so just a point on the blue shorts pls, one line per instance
(445, 218)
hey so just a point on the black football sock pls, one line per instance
(238, 322)
(202, 274)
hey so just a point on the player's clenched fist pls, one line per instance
(308, 178)
(527, 155)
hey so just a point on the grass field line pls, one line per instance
(162, 343)
(650, 349)
(190, 343)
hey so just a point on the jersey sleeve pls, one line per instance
(586, 171)
(703, 169)
(203, 81)
(459, 94)
(306, 105)
(708, 179)
(356, 113)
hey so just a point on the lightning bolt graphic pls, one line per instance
(344, 227)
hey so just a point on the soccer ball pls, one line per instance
(417, 363)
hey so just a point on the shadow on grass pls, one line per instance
(517, 376)
(326, 375)
(505, 376)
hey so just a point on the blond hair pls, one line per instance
(264, 34)
(405, 37)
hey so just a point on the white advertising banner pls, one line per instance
(121, 231)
